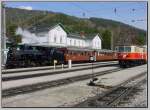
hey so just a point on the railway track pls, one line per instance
(38, 73)
(8, 71)
(113, 97)
(43, 85)
(130, 99)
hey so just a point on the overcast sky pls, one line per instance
(132, 13)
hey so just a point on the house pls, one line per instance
(94, 41)
(57, 35)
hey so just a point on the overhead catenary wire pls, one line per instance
(115, 10)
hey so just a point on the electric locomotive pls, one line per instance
(131, 55)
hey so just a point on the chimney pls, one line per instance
(82, 34)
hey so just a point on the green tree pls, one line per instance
(141, 40)
(11, 33)
(106, 36)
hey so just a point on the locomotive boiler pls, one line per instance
(30, 56)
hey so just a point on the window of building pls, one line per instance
(54, 37)
(70, 41)
(74, 42)
(61, 39)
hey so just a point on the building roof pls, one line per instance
(38, 29)
(72, 35)
(91, 36)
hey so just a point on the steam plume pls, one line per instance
(27, 37)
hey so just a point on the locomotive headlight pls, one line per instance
(124, 56)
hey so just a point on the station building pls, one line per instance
(58, 36)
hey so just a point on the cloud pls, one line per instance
(25, 7)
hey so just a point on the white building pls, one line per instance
(59, 36)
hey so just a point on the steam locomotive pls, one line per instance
(30, 56)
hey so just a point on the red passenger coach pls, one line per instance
(78, 55)
(105, 55)
(131, 55)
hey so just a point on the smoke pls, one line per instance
(27, 37)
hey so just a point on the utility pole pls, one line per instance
(3, 36)
(112, 41)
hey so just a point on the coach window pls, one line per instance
(82, 53)
(68, 52)
(74, 53)
(85, 53)
(65, 52)
(79, 53)
(71, 53)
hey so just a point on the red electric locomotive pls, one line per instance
(131, 55)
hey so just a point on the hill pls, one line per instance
(122, 33)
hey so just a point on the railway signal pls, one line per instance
(91, 83)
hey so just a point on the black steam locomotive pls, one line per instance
(30, 56)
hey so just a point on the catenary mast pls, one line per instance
(3, 35)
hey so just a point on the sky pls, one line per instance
(132, 13)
